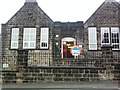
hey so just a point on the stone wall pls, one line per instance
(63, 70)
(66, 29)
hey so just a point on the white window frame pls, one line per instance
(92, 39)
(115, 30)
(14, 38)
(105, 30)
(28, 33)
(44, 38)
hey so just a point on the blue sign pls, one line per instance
(75, 48)
(75, 51)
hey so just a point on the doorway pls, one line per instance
(67, 44)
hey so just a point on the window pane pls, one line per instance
(14, 38)
(32, 44)
(26, 44)
(92, 37)
(29, 38)
(92, 46)
(14, 44)
(116, 46)
(115, 37)
(44, 38)
(105, 35)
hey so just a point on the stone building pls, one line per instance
(24, 36)
(0, 46)
(102, 37)
(36, 49)
(0, 43)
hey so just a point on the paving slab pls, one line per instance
(106, 85)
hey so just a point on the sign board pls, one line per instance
(75, 50)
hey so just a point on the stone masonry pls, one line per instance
(38, 65)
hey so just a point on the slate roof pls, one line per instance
(30, 15)
(106, 15)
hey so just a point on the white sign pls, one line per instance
(75, 51)
(5, 65)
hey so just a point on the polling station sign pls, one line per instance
(75, 50)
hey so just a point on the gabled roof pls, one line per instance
(30, 1)
(30, 15)
(105, 15)
(110, 1)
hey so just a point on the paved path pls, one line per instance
(57, 89)
(65, 86)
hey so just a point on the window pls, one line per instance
(44, 38)
(29, 38)
(14, 38)
(92, 37)
(115, 39)
(105, 35)
(57, 36)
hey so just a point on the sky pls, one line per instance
(57, 10)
